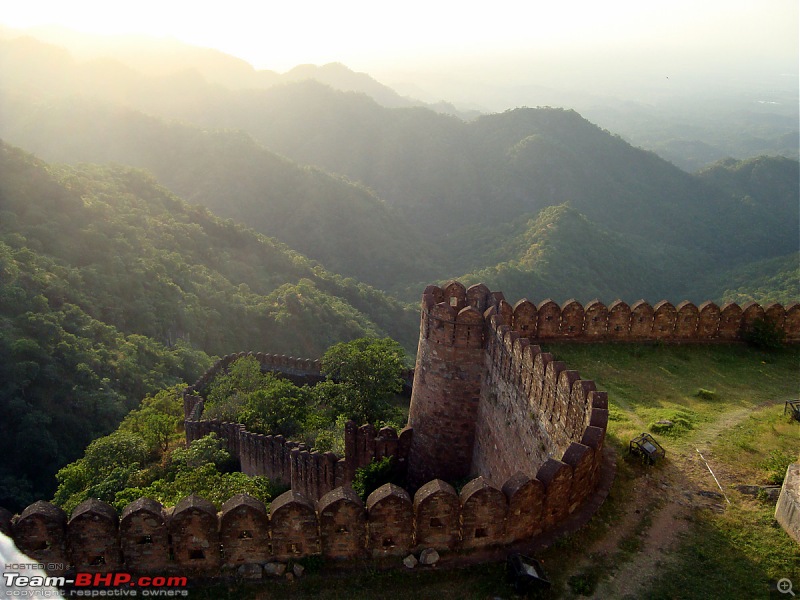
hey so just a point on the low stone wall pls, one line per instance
(787, 511)
(289, 462)
(311, 473)
(640, 321)
(193, 538)
(299, 370)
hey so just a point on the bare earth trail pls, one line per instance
(660, 508)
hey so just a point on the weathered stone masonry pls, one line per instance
(487, 403)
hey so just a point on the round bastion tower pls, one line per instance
(447, 381)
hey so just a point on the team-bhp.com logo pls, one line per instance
(94, 585)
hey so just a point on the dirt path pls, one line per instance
(659, 511)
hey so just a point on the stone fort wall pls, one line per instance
(488, 403)
(526, 432)
(289, 462)
(619, 322)
(194, 538)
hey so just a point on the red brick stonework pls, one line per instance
(487, 403)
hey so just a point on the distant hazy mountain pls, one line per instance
(444, 174)
(562, 254)
(166, 58)
(689, 125)
(343, 225)
(427, 196)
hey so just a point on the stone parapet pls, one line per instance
(787, 511)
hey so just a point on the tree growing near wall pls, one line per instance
(372, 476)
(264, 402)
(764, 334)
(362, 376)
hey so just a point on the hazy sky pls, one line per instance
(370, 34)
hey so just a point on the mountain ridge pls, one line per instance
(412, 196)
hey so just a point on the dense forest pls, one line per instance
(146, 455)
(178, 217)
(113, 288)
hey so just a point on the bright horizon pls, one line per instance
(373, 36)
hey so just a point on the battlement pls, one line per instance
(195, 539)
(488, 404)
(303, 370)
(450, 314)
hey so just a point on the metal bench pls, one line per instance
(647, 447)
(793, 407)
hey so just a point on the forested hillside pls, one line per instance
(325, 217)
(120, 277)
(426, 196)
(112, 288)
(561, 254)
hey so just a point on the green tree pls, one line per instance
(243, 377)
(157, 420)
(207, 449)
(119, 449)
(279, 407)
(366, 373)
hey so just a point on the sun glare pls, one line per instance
(363, 33)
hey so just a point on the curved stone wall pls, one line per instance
(487, 404)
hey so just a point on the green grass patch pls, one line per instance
(671, 422)
(695, 384)
(776, 465)
(739, 554)
(705, 394)
(651, 375)
(761, 446)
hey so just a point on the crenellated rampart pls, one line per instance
(306, 471)
(533, 409)
(639, 322)
(488, 403)
(195, 539)
(489, 406)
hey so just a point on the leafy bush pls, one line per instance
(374, 475)
(330, 438)
(706, 394)
(363, 375)
(278, 408)
(776, 464)
(764, 334)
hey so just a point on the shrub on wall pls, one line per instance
(377, 473)
(764, 334)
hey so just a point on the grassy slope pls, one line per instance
(734, 552)
(648, 383)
